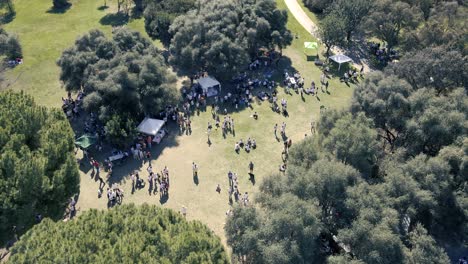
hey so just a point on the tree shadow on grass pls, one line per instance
(59, 10)
(102, 8)
(115, 20)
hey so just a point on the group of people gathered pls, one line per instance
(156, 181)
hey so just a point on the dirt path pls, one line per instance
(356, 52)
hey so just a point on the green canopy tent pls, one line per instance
(85, 141)
(310, 46)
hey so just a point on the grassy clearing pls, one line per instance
(44, 36)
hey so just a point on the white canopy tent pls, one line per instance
(150, 126)
(210, 85)
(340, 59)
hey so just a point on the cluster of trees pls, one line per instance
(222, 36)
(124, 234)
(387, 177)
(38, 171)
(124, 79)
(10, 45)
(160, 14)
(411, 24)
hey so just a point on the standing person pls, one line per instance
(148, 156)
(251, 167)
(132, 177)
(326, 86)
(195, 169)
(184, 211)
(149, 141)
(275, 129)
(230, 178)
(91, 162)
(96, 166)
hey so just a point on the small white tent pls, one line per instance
(150, 126)
(210, 85)
(340, 59)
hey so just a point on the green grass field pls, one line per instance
(44, 35)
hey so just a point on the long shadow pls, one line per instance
(195, 179)
(59, 10)
(115, 20)
(252, 178)
(102, 8)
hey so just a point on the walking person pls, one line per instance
(194, 169)
(275, 129)
(251, 167)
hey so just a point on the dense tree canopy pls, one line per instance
(444, 26)
(389, 18)
(435, 67)
(124, 234)
(386, 181)
(38, 171)
(160, 14)
(351, 13)
(124, 79)
(221, 36)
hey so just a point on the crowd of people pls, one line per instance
(194, 101)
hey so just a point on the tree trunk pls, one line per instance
(328, 50)
(348, 36)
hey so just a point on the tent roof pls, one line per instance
(340, 58)
(150, 126)
(206, 82)
(85, 141)
(310, 45)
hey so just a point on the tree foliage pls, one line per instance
(127, 234)
(444, 26)
(386, 179)
(159, 16)
(351, 12)
(124, 79)
(332, 31)
(221, 36)
(317, 5)
(389, 18)
(38, 172)
(428, 68)
(10, 45)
